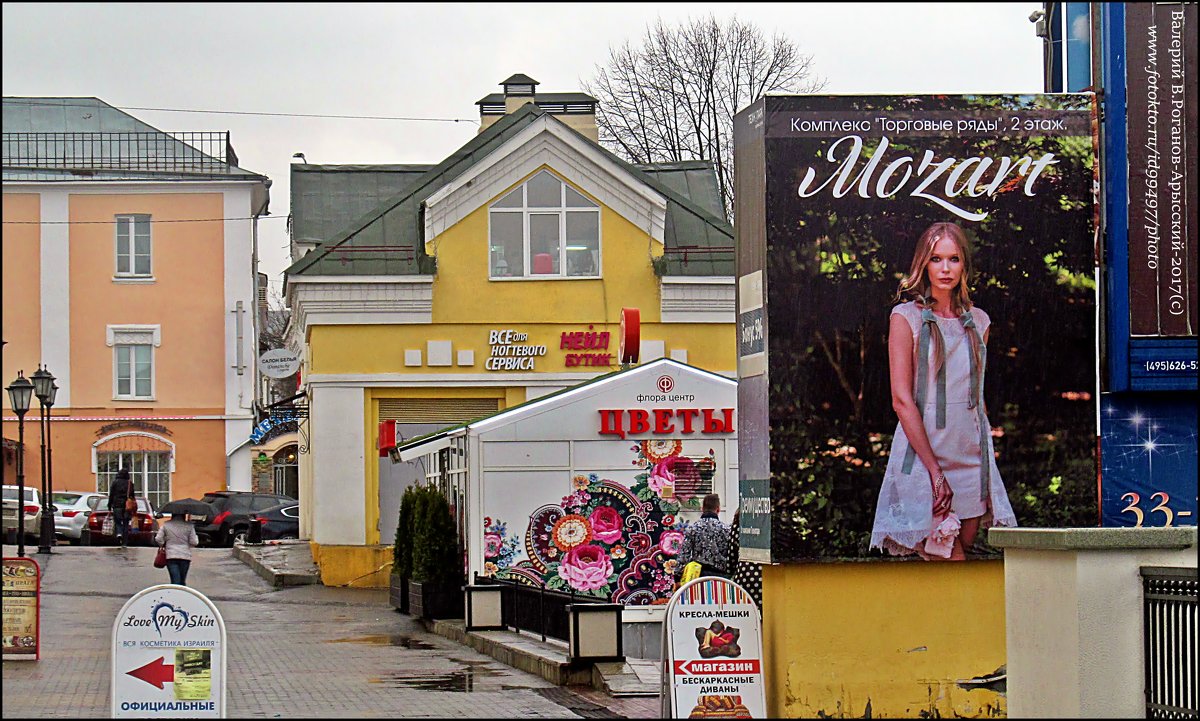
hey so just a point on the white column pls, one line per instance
(339, 481)
(55, 298)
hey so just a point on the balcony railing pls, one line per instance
(204, 153)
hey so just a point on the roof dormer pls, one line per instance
(578, 110)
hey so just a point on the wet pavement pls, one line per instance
(300, 651)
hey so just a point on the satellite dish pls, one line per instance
(279, 363)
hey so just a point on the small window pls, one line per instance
(134, 370)
(133, 246)
(544, 229)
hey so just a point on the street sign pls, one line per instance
(712, 652)
(22, 604)
(168, 656)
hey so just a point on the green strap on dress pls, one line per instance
(929, 326)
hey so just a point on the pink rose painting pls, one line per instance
(586, 568)
(671, 542)
(491, 545)
(606, 524)
(661, 476)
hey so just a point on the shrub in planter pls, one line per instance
(402, 551)
(435, 587)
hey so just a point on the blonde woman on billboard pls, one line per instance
(941, 484)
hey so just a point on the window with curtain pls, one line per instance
(544, 229)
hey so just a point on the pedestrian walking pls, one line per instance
(706, 541)
(746, 574)
(119, 494)
(179, 536)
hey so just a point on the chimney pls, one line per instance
(577, 110)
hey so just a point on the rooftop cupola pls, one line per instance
(578, 110)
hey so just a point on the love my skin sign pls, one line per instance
(168, 656)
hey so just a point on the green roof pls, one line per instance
(389, 238)
(328, 198)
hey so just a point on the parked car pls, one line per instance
(101, 529)
(233, 515)
(278, 522)
(30, 510)
(71, 511)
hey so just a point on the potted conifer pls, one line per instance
(435, 586)
(402, 552)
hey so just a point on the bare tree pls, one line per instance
(674, 97)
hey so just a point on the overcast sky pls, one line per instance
(436, 60)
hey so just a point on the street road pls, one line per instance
(307, 651)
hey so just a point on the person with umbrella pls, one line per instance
(179, 537)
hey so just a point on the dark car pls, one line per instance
(233, 515)
(100, 530)
(279, 522)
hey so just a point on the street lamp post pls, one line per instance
(19, 393)
(44, 389)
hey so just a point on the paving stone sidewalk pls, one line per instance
(294, 652)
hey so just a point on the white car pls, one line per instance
(72, 509)
(30, 510)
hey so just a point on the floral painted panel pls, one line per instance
(606, 539)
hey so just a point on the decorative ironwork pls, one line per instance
(534, 609)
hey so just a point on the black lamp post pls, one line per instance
(19, 393)
(44, 389)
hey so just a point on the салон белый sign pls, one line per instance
(168, 656)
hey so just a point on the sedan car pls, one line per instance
(279, 522)
(29, 510)
(101, 530)
(72, 509)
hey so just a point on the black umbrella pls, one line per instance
(186, 506)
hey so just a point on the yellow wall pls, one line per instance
(892, 636)
(356, 566)
(462, 292)
(186, 299)
(21, 288)
(380, 348)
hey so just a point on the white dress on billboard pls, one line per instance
(951, 404)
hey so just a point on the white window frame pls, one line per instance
(120, 337)
(130, 221)
(561, 210)
(140, 477)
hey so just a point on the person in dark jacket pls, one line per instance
(706, 541)
(120, 490)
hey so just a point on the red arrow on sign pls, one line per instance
(155, 673)
(697, 667)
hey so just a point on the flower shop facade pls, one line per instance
(590, 489)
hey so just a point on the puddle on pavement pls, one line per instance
(464, 681)
(389, 640)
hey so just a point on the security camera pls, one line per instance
(1036, 15)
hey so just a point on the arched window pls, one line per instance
(544, 229)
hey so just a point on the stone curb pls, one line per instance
(256, 559)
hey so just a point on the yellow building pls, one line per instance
(129, 259)
(497, 276)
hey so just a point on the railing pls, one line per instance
(722, 252)
(206, 153)
(535, 609)
(1169, 608)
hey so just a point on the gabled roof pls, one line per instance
(430, 442)
(388, 239)
(65, 138)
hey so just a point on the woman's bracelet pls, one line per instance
(938, 481)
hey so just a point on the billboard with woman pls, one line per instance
(917, 311)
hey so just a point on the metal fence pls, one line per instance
(207, 153)
(535, 609)
(1169, 608)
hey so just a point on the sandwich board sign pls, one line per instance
(168, 656)
(22, 606)
(712, 650)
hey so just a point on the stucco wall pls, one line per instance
(21, 298)
(883, 639)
